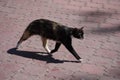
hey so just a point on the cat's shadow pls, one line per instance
(37, 55)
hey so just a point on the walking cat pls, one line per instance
(48, 29)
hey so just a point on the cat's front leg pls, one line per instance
(68, 45)
(70, 48)
(56, 47)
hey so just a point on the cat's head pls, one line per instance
(78, 33)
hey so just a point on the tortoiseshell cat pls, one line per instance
(51, 30)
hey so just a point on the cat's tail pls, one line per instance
(25, 36)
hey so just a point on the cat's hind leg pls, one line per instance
(24, 37)
(45, 44)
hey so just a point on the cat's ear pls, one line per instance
(81, 28)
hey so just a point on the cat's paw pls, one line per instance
(52, 51)
(16, 48)
(81, 60)
(49, 54)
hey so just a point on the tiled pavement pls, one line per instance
(100, 49)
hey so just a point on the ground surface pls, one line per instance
(100, 49)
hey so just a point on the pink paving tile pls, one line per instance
(100, 49)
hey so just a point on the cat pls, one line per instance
(48, 29)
